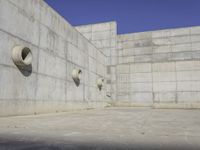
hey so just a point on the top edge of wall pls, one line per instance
(98, 23)
(150, 31)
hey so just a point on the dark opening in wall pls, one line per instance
(76, 75)
(22, 57)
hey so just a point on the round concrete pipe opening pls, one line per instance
(22, 56)
(76, 76)
(100, 83)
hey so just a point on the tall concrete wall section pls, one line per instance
(159, 68)
(57, 49)
(104, 37)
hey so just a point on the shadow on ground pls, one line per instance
(13, 144)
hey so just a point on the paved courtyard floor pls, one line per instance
(111, 128)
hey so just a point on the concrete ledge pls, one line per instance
(17, 108)
(130, 104)
(177, 105)
(158, 105)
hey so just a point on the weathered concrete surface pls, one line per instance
(159, 68)
(133, 128)
(104, 37)
(57, 49)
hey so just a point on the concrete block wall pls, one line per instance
(159, 68)
(104, 37)
(57, 49)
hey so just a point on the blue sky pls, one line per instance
(131, 15)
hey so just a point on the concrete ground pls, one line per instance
(112, 128)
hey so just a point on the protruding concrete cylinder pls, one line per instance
(76, 75)
(22, 56)
(100, 83)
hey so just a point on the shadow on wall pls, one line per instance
(25, 70)
(77, 82)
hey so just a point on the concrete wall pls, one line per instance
(57, 49)
(159, 68)
(104, 37)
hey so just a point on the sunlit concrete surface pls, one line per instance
(111, 128)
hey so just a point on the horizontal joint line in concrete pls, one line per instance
(10, 34)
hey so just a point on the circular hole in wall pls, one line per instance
(76, 75)
(22, 57)
(100, 83)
